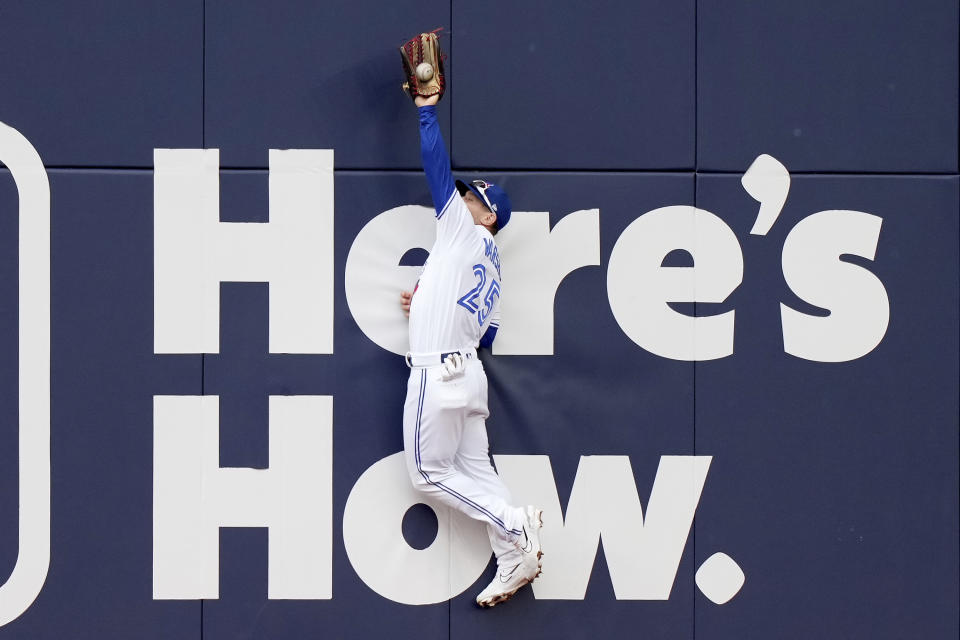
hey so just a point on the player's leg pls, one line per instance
(516, 566)
(434, 416)
(473, 459)
(515, 569)
(432, 424)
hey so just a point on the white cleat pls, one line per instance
(508, 581)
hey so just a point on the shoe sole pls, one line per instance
(503, 597)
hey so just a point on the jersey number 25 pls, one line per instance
(470, 299)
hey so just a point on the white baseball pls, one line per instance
(424, 71)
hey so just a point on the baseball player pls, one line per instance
(453, 310)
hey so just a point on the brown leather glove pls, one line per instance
(423, 65)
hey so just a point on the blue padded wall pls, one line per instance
(833, 485)
(838, 498)
(103, 378)
(606, 85)
(308, 74)
(853, 86)
(103, 83)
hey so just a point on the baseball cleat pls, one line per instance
(504, 585)
(508, 582)
(529, 542)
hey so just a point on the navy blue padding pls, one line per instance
(101, 83)
(834, 486)
(828, 86)
(318, 75)
(579, 86)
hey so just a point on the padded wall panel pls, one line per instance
(103, 378)
(592, 86)
(828, 86)
(102, 83)
(835, 484)
(315, 75)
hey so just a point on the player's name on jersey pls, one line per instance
(491, 251)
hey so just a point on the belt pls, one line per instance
(418, 360)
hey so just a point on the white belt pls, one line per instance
(418, 360)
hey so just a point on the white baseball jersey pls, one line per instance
(458, 296)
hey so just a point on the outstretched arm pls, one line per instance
(436, 161)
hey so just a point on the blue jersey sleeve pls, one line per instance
(487, 340)
(436, 162)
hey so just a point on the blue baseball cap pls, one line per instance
(494, 197)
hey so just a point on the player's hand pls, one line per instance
(452, 367)
(406, 297)
(422, 101)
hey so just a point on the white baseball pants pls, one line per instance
(447, 453)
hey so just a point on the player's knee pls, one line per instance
(424, 477)
(417, 478)
(420, 483)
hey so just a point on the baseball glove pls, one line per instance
(423, 65)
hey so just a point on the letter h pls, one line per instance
(193, 497)
(194, 252)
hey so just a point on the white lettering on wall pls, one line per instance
(639, 288)
(642, 550)
(193, 497)
(33, 556)
(768, 182)
(373, 278)
(857, 300)
(536, 259)
(194, 252)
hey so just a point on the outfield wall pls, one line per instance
(730, 342)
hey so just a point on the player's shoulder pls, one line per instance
(452, 205)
